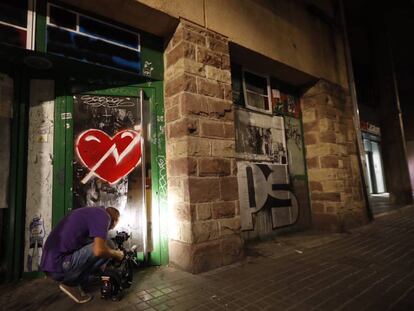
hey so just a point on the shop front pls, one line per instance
(371, 135)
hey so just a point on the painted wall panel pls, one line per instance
(266, 186)
(260, 137)
(294, 142)
(271, 172)
(39, 171)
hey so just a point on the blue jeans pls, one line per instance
(81, 265)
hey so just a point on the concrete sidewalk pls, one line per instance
(371, 268)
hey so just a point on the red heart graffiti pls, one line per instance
(109, 158)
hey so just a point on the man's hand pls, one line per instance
(119, 255)
(101, 249)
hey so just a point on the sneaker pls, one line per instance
(75, 293)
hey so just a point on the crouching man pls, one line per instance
(77, 247)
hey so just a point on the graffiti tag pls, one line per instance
(294, 134)
(36, 235)
(148, 68)
(107, 101)
(162, 165)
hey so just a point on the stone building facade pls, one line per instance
(202, 182)
(331, 153)
(201, 152)
(244, 112)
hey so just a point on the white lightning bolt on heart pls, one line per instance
(113, 150)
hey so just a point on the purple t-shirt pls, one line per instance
(72, 233)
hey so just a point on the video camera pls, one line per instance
(118, 275)
(120, 238)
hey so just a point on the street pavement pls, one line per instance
(369, 268)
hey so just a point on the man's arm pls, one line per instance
(100, 249)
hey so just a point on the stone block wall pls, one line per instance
(201, 168)
(337, 201)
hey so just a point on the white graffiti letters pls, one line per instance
(107, 101)
(263, 185)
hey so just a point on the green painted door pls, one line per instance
(110, 150)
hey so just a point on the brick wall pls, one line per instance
(201, 168)
(334, 175)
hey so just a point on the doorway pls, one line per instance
(90, 145)
(105, 157)
(376, 182)
(111, 157)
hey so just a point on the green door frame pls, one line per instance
(63, 158)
